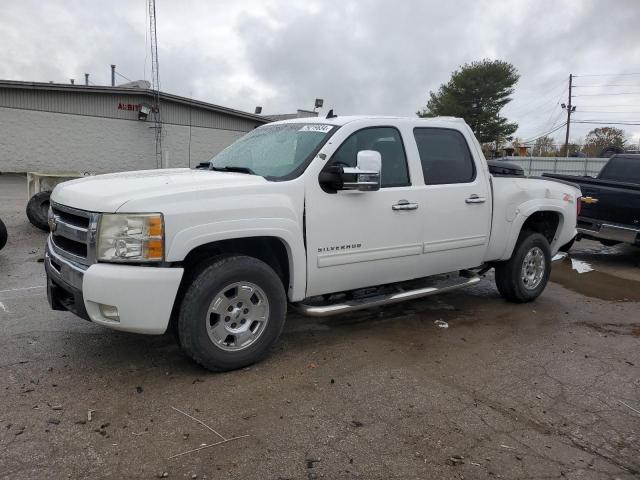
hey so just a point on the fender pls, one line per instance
(285, 230)
(524, 211)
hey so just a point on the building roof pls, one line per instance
(124, 89)
(300, 113)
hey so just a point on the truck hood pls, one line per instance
(107, 193)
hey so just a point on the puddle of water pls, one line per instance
(592, 283)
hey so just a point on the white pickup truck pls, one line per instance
(328, 215)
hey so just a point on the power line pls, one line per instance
(602, 94)
(120, 75)
(533, 139)
(610, 106)
(606, 74)
(539, 100)
(608, 85)
(598, 122)
(605, 111)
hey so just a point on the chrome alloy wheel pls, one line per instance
(237, 316)
(533, 267)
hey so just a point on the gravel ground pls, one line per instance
(545, 390)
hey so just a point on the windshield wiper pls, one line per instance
(231, 168)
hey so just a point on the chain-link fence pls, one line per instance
(535, 166)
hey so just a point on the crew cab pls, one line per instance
(326, 215)
(610, 210)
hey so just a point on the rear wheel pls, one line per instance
(524, 276)
(38, 210)
(3, 235)
(232, 313)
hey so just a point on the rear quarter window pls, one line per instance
(622, 169)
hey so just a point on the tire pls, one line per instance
(3, 235)
(509, 275)
(38, 210)
(238, 286)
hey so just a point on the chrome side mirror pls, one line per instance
(366, 176)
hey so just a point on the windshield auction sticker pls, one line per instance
(316, 128)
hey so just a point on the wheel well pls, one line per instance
(270, 250)
(545, 223)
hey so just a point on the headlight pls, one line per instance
(131, 237)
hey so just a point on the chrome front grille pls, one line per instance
(73, 234)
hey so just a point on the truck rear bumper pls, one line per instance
(139, 299)
(606, 231)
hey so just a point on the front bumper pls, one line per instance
(144, 296)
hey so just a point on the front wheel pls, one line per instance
(232, 313)
(524, 276)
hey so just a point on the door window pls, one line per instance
(388, 142)
(444, 155)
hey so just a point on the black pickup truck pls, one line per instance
(610, 203)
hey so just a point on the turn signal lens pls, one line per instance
(153, 249)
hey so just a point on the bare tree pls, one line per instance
(600, 138)
(544, 147)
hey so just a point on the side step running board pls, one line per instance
(379, 300)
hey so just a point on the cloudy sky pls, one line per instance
(364, 56)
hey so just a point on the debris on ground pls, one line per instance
(580, 266)
(441, 323)
(204, 445)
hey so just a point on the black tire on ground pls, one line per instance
(567, 246)
(37, 210)
(195, 320)
(509, 274)
(3, 235)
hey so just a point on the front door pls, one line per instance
(359, 239)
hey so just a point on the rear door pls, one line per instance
(455, 200)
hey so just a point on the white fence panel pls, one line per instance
(534, 166)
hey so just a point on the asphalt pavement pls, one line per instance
(544, 390)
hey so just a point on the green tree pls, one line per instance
(600, 138)
(477, 92)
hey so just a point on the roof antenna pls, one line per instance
(330, 114)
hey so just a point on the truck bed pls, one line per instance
(606, 202)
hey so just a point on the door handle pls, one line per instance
(404, 205)
(475, 199)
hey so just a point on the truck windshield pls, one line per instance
(273, 150)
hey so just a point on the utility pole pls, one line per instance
(155, 81)
(570, 109)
